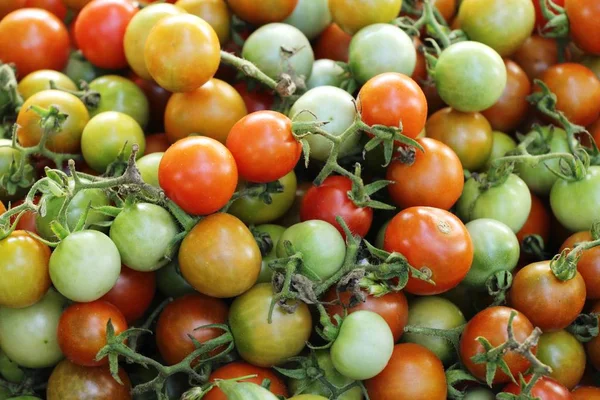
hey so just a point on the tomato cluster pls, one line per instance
(299, 199)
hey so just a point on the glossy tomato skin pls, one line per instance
(100, 29)
(148, 166)
(237, 369)
(492, 324)
(413, 373)
(206, 163)
(263, 344)
(333, 44)
(352, 16)
(544, 389)
(39, 80)
(330, 200)
(263, 146)
(325, 72)
(562, 352)
(311, 17)
(586, 393)
(133, 293)
(215, 12)
(433, 241)
(392, 98)
(82, 331)
(588, 264)
(24, 269)
(583, 28)
(274, 232)
(573, 203)
(181, 318)
(536, 55)
(56, 7)
(502, 144)
(170, 282)
(73, 382)
(434, 179)
(39, 40)
(219, 256)
(263, 12)
(211, 110)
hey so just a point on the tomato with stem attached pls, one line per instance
(237, 369)
(501, 144)
(573, 203)
(540, 19)
(544, 389)
(583, 28)
(562, 352)
(133, 293)
(588, 264)
(536, 55)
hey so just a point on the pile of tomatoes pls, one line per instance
(299, 199)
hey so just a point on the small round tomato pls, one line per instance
(79, 69)
(333, 44)
(538, 222)
(39, 40)
(208, 263)
(582, 24)
(586, 393)
(435, 178)
(105, 136)
(205, 163)
(263, 12)
(311, 17)
(262, 343)
(322, 247)
(501, 144)
(182, 52)
(148, 166)
(574, 203)
(68, 139)
(381, 48)
(392, 307)
(170, 282)
(331, 104)
(510, 109)
(352, 16)
(215, 12)
(56, 7)
(562, 352)
(256, 99)
(263, 48)
(263, 146)
(38, 81)
(508, 202)
(85, 266)
(29, 335)
(325, 72)
(237, 369)
(392, 99)
(542, 297)
(470, 76)
(577, 90)
(121, 95)
(433, 241)
(211, 111)
(468, 134)
(536, 55)
(133, 293)
(73, 382)
(100, 29)
(82, 331)
(492, 324)
(268, 250)
(27, 219)
(409, 365)
(588, 264)
(156, 143)
(24, 269)
(544, 389)
(437, 313)
(180, 320)
(330, 200)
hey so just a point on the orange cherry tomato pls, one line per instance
(264, 11)
(583, 24)
(333, 43)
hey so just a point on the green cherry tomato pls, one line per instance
(479, 394)
(321, 244)
(79, 69)
(325, 72)
(331, 104)
(502, 144)
(40, 80)
(85, 266)
(7, 155)
(263, 48)
(470, 76)
(252, 210)
(121, 95)
(143, 233)
(311, 17)
(9, 369)
(438, 313)
(496, 248)
(28, 335)
(575, 204)
(363, 347)
(171, 283)
(562, 352)
(106, 134)
(509, 202)
(148, 166)
(274, 232)
(380, 48)
(245, 391)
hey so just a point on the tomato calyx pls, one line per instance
(534, 246)
(90, 98)
(11, 100)
(498, 286)
(525, 389)
(557, 26)
(585, 327)
(455, 376)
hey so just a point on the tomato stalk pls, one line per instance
(585, 327)
(557, 26)
(498, 286)
(450, 335)
(533, 245)
(564, 265)
(90, 98)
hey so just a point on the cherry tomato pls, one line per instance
(206, 163)
(573, 203)
(263, 12)
(325, 73)
(540, 20)
(435, 178)
(583, 28)
(256, 99)
(311, 17)
(544, 389)
(536, 55)
(56, 7)
(9, 6)
(133, 293)
(76, 4)
(586, 393)
(562, 352)
(492, 324)
(588, 264)
(170, 282)
(352, 16)
(27, 220)
(538, 222)
(38, 81)
(215, 12)
(333, 44)
(39, 40)
(434, 242)
(181, 318)
(157, 143)
(100, 29)
(239, 368)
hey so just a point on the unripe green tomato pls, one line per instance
(325, 72)
(274, 232)
(245, 391)
(502, 144)
(479, 394)
(575, 204)
(148, 166)
(170, 282)
(122, 95)
(311, 17)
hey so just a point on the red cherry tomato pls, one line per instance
(239, 368)
(56, 7)
(544, 389)
(133, 293)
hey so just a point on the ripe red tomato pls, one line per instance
(538, 221)
(393, 307)
(333, 44)
(586, 393)
(434, 179)
(82, 331)
(100, 29)
(199, 174)
(536, 55)
(56, 7)
(180, 319)
(433, 241)
(492, 324)
(239, 368)
(540, 21)
(544, 389)
(583, 24)
(133, 293)
(392, 99)
(330, 200)
(255, 100)
(38, 40)
(588, 265)
(263, 146)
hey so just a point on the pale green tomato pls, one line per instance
(148, 166)
(325, 72)
(502, 144)
(575, 204)
(311, 17)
